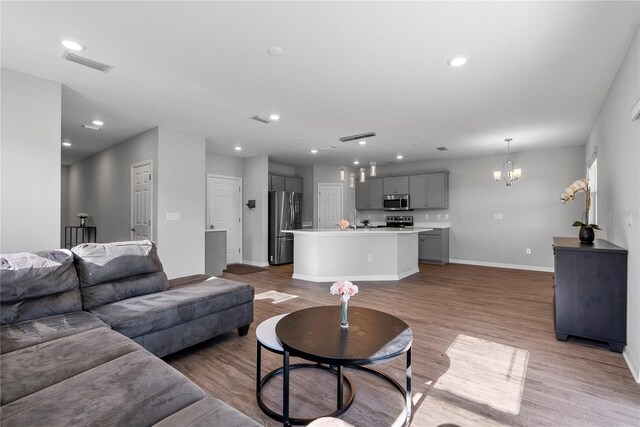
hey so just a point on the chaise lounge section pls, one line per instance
(60, 365)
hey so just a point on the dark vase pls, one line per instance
(586, 234)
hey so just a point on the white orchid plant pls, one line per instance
(570, 194)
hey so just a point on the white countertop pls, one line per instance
(359, 231)
(436, 225)
(214, 229)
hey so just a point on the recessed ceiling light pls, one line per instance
(274, 117)
(275, 51)
(238, 148)
(66, 144)
(362, 142)
(98, 122)
(72, 45)
(356, 162)
(314, 151)
(457, 61)
(399, 157)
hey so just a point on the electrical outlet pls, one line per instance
(370, 258)
(528, 251)
(426, 216)
(368, 216)
(446, 216)
(438, 216)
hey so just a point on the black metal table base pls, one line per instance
(303, 421)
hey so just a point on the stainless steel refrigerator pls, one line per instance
(285, 209)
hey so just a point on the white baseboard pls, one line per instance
(634, 369)
(371, 278)
(502, 265)
(256, 263)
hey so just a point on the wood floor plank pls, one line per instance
(574, 383)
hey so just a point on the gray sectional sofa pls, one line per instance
(80, 332)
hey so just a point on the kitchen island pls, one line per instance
(364, 254)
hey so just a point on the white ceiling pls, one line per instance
(538, 72)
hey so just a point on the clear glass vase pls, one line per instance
(344, 311)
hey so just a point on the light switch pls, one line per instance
(498, 216)
(173, 216)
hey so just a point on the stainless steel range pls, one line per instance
(400, 221)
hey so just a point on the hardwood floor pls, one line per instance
(484, 353)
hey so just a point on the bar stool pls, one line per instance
(266, 338)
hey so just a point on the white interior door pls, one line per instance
(141, 200)
(224, 211)
(329, 205)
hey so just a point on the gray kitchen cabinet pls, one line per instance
(369, 194)
(276, 183)
(395, 185)
(433, 246)
(362, 195)
(437, 185)
(375, 193)
(418, 191)
(429, 191)
(293, 184)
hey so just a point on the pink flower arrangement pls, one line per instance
(343, 224)
(344, 288)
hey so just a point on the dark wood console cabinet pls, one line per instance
(590, 292)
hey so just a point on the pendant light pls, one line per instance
(372, 171)
(362, 174)
(509, 174)
(352, 180)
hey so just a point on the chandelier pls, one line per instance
(508, 174)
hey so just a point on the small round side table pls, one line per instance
(266, 338)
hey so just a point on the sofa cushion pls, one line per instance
(34, 368)
(206, 413)
(32, 332)
(37, 284)
(148, 313)
(136, 389)
(112, 272)
(108, 292)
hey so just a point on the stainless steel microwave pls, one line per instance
(396, 202)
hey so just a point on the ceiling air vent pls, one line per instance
(442, 148)
(261, 119)
(357, 137)
(86, 62)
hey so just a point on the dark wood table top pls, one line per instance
(372, 336)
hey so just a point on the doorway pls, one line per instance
(141, 200)
(329, 205)
(224, 211)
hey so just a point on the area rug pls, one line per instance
(276, 296)
(242, 269)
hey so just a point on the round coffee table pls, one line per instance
(372, 337)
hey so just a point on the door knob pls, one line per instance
(133, 229)
(211, 226)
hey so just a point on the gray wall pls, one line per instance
(219, 164)
(29, 163)
(616, 139)
(180, 189)
(532, 210)
(284, 170)
(306, 173)
(255, 186)
(101, 186)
